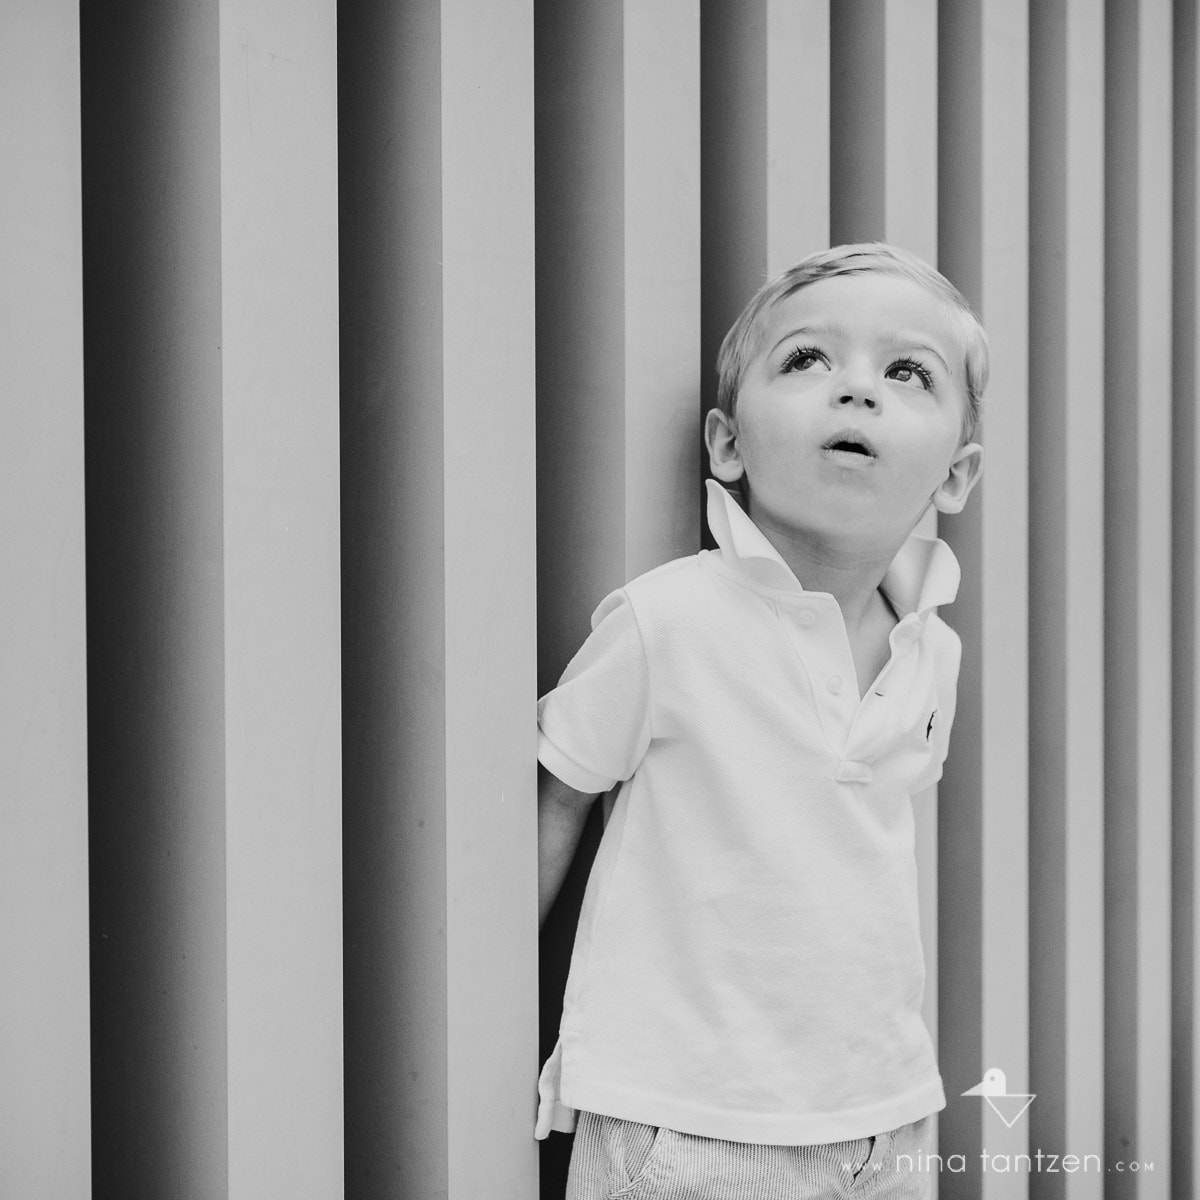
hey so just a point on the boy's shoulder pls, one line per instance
(669, 591)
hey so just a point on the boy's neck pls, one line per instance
(850, 573)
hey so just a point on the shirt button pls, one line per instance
(806, 616)
(834, 684)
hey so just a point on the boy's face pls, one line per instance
(849, 417)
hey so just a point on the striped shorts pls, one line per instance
(622, 1160)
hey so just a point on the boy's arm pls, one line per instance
(562, 813)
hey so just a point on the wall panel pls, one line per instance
(580, 169)
(883, 91)
(579, 60)
(1185, 1127)
(618, 361)
(44, 1069)
(210, 307)
(438, 526)
(859, 121)
(281, 619)
(662, 279)
(1137, 607)
(618, 303)
(796, 92)
(488, 423)
(983, 835)
(960, 823)
(152, 326)
(393, 598)
(910, 176)
(1066, 653)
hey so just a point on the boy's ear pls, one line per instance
(952, 492)
(720, 436)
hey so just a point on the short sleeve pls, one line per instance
(947, 658)
(594, 727)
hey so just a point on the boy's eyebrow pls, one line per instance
(914, 343)
(900, 342)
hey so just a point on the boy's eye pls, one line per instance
(908, 371)
(803, 358)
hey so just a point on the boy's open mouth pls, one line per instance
(849, 448)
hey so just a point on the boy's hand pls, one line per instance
(562, 813)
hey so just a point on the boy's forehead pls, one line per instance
(863, 299)
(892, 307)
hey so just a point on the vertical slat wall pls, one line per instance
(45, 1139)
(960, 819)
(983, 836)
(618, 302)
(1066, 586)
(156, 763)
(581, 457)
(1138, 574)
(438, 530)
(1185, 920)
(883, 161)
(618, 354)
(393, 596)
(211, 396)
(488, 514)
(397, 329)
(282, 677)
(661, 172)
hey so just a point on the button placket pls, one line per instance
(807, 621)
(877, 708)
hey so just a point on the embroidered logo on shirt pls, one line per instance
(929, 727)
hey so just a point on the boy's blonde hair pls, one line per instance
(865, 258)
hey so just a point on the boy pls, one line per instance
(743, 1012)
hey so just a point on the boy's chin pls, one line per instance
(850, 516)
(867, 530)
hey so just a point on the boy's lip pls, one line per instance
(850, 446)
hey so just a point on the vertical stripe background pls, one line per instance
(352, 353)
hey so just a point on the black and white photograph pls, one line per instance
(598, 599)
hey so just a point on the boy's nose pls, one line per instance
(856, 384)
(857, 398)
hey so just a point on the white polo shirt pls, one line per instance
(748, 962)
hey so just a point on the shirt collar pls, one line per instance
(923, 574)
